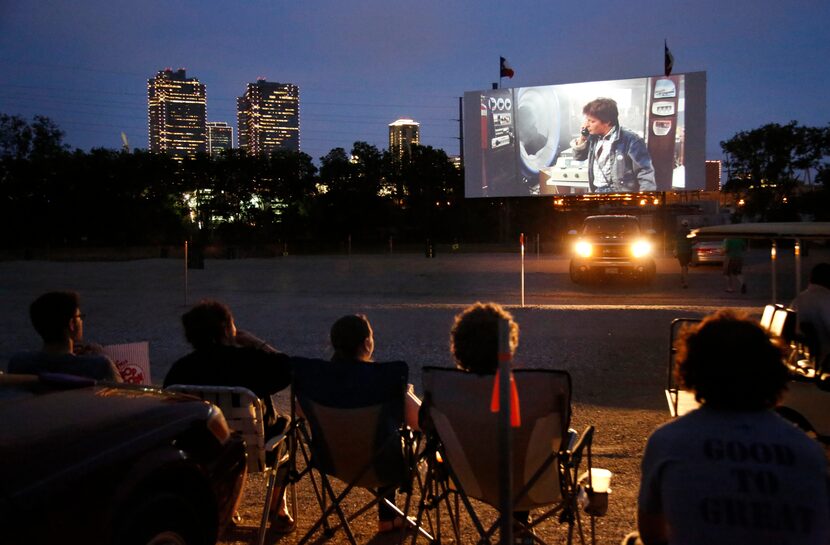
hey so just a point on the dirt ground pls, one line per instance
(618, 444)
(612, 338)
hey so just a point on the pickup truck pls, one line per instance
(611, 245)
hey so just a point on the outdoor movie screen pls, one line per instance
(620, 136)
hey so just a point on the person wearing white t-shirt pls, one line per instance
(732, 471)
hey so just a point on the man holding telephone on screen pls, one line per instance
(618, 159)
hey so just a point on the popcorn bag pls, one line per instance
(132, 360)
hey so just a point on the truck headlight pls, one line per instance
(583, 248)
(641, 248)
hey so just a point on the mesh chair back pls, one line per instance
(243, 411)
(355, 412)
(458, 405)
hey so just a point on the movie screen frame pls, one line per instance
(529, 141)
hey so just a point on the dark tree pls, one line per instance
(766, 166)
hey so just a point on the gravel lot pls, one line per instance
(612, 338)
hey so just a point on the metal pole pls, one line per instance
(349, 245)
(505, 439)
(185, 273)
(797, 266)
(522, 244)
(773, 253)
(461, 129)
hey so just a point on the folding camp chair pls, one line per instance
(352, 428)
(680, 401)
(465, 464)
(244, 412)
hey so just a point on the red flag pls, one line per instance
(514, 408)
(668, 59)
(505, 71)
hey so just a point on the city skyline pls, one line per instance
(85, 65)
(268, 117)
(176, 114)
(403, 133)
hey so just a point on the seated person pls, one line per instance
(474, 343)
(732, 471)
(223, 356)
(353, 341)
(813, 307)
(57, 318)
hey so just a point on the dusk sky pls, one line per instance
(362, 64)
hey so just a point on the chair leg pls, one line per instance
(328, 491)
(269, 492)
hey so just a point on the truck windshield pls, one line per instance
(617, 226)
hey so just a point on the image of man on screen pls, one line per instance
(618, 159)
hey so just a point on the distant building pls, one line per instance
(402, 134)
(713, 175)
(456, 161)
(176, 114)
(268, 117)
(219, 137)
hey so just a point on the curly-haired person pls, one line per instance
(474, 343)
(732, 471)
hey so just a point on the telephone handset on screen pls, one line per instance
(585, 132)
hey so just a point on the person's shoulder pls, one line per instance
(681, 427)
(99, 365)
(93, 358)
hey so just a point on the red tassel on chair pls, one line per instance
(515, 412)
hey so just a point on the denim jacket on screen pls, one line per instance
(631, 168)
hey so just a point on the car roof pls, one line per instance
(47, 424)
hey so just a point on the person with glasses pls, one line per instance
(57, 318)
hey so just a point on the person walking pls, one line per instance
(733, 263)
(683, 252)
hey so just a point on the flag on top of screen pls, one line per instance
(668, 59)
(505, 71)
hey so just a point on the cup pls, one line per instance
(600, 480)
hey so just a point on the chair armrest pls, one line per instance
(574, 454)
(274, 442)
(585, 439)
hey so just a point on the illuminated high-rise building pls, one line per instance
(177, 114)
(402, 134)
(713, 175)
(219, 137)
(268, 117)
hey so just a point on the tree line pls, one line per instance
(780, 172)
(51, 195)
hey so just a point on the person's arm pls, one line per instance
(276, 371)
(652, 528)
(580, 146)
(244, 338)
